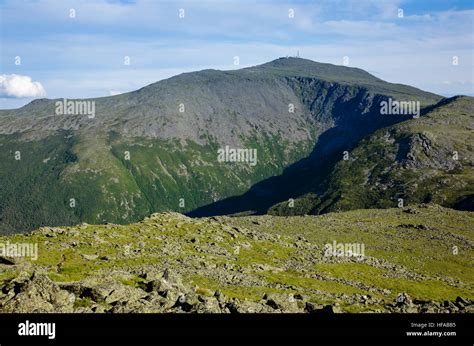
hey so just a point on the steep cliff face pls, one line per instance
(156, 148)
(343, 115)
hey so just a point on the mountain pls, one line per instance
(424, 160)
(156, 149)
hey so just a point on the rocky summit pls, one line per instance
(414, 259)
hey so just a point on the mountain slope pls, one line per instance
(155, 149)
(171, 263)
(429, 159)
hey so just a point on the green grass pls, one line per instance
(376, 277)
(296, 279)
(421, 252)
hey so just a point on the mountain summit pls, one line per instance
(292, 66)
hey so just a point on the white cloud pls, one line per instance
(17, 86)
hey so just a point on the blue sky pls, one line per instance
(84, 56)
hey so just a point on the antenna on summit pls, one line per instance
(297, 53)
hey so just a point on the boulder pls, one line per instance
(38, 294)
(313, 308)
(282, 302)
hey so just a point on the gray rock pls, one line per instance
(38, 294)
(313, 307)
(282, 302)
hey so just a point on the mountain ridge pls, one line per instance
(293, 66)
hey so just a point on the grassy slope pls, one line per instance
(272, 256)
(392, 235)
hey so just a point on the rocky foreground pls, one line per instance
(172, 263)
